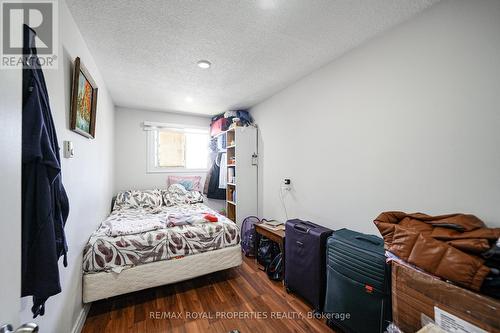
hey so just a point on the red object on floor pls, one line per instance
(211, 218)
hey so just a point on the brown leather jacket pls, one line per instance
(446, 245)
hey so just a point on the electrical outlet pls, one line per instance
(286, 184)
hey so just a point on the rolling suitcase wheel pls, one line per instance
(331, 323)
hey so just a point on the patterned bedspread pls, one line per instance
(105, 253)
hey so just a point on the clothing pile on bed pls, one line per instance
(152, 225)
(174, 220)
(457, 247)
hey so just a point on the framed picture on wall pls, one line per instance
(83, 101)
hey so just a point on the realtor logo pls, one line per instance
(42, 17)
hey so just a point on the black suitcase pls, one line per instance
(305, 259)
(358, 288)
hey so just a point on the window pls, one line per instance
(176, 148)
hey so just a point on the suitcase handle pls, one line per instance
(369, 240)
(309, 224)
(301, 228)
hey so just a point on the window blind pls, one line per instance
(171, 149)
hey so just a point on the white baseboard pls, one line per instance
(80, 321)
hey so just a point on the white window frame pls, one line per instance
(152, 129)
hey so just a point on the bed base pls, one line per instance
(102, 285)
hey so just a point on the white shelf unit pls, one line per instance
(242, 159)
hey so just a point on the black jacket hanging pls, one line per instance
(212, 189)
(214, 192)
(45, 205)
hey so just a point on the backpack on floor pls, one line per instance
(275, 269)
(248, 235)
(267, 251)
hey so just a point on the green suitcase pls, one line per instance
(358, 290)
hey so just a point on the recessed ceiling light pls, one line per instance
(189, 99)
(267, 4)
(204, 64)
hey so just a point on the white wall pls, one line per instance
(130, 147)
(409, 121)
(88, 177)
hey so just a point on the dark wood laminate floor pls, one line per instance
(249, 301)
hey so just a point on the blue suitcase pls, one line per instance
(358, 288)
(305, 260)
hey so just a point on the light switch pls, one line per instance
(68, 149)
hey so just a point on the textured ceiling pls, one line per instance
(147, 50)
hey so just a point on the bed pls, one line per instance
(134, 249)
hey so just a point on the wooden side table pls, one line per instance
(277, 236)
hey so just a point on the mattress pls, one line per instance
(114, 253)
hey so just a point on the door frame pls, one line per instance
(10, 195)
